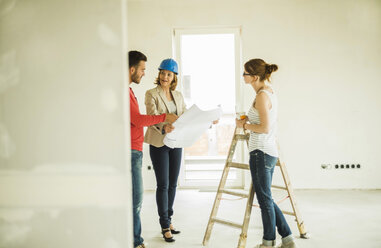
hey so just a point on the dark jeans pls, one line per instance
(137, 193)
(262, 168)
(166, 163)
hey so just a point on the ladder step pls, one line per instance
(230, 192)
(226, 222)
(242, 136)
(278, 187)
(239, 165)
(289, 213)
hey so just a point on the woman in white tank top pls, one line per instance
(261, 122)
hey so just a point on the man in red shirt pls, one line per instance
(137, 66)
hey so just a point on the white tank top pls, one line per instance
(261, 141)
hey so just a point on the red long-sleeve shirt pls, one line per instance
(138, 121)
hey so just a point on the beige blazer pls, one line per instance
(156, 104)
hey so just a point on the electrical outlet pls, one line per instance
(326, 166)
(340, 166)
(347, 166)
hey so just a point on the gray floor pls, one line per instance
(334, 218)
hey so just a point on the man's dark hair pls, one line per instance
(134, 57)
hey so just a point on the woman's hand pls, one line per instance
(215, 122)
(168, 128)
(239, 123)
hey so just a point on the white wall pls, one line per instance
(64, 170)
(328, 53)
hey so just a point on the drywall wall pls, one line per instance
(64, 132)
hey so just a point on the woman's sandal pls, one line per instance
(164, 231)
(174, 231)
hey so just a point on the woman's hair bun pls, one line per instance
(270, 68)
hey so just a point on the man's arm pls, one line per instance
(140, 120)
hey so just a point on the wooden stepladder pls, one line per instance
(250, 196)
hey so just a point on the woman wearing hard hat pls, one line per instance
(166, 161)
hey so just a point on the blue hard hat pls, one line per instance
(169, 65)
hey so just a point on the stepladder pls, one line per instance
(222, 189)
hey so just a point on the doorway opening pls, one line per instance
(209, 61)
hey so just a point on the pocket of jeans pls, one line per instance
(269, 162)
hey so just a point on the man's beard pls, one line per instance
(135, 78)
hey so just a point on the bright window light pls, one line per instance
(209, 71)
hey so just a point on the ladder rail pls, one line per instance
(292, 198)
(249, 207)
(221, 185)
(245, 225)
(290, 191)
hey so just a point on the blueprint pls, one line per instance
(190, 126)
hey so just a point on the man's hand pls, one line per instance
(168, 128)
(171, 118)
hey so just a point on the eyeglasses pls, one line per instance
(246, 74)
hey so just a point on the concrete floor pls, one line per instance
(334, 218)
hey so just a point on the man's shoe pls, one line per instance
(141, 246)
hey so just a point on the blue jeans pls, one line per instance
(262, 168)
(166, 163)
(137, 192)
